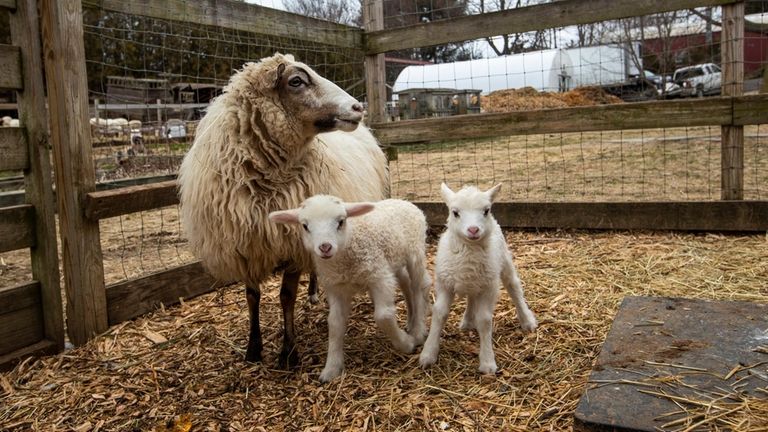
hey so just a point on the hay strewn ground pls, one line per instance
(528, 98)
(184, 365)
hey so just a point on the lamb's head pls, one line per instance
(311, 103)
(469, 215)
(323, 222)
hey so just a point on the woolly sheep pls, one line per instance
(472, 258)
(366, 247)
(279, 134)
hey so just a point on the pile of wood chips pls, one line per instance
(527, 98)
(181, 368)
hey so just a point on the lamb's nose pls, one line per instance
(325, 248)
(473, 230)
(357, 107)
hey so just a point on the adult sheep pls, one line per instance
(278, 134)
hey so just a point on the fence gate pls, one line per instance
(30, 312)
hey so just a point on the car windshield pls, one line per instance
(688, 73)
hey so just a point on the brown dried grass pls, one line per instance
(181, 368)
(528, 98)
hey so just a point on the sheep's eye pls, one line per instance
(341, 223)
(486, 211)
(296, 82)
(456, 213)
(306, 228)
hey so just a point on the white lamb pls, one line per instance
(472, 258)
(279, 134)
(366, 247)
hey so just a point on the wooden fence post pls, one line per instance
(732, 137)
(33, 117)
(66, 80)
(375, 68)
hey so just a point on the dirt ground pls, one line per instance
(181, 368)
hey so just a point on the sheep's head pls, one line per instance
(312, 103)
(469, 215)
(323, 222)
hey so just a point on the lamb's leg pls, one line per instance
(404, 280)
(338, 315)
(289, 357)
(420, 283)
(312, 290)
(483, 312)
(253, 296)
(385, 315)
(511, 282)
(440, 311)
(468, 320)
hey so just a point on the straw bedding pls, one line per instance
(181, 368)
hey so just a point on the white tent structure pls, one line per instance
(549, 70)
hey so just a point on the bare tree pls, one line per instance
(340, 11)
(518, 42)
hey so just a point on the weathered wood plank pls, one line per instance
(537, 17)
(375, 68)
(20, 296)
(677, 216)
(8, 4)
(66, 80)
(13, 147)
(33, 114)
(20, 328)
(132, 199)
(241, 16)
(751, 109)
(732, 137)
(642, 115)
(10, 67)
(16, 227)
(129, 299)
(44, 347)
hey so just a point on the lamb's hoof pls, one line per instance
(288, 360)
(530, 324)
(314, 299)
(328, 374)
(466, 325)
(427, 359)
(488, 369)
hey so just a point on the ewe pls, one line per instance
(366, 247)
(472, 258)
(256, 150)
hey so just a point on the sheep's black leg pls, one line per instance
(312, 290)
(289, 357)
(253, 295)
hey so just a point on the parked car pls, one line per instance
(698, 80)
(174, 128)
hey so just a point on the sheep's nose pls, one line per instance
(357, 107)
(325, 248)
(473, 230)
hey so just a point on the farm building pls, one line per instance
(420, 103)
(638, 230)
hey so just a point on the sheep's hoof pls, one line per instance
(427, 359)
(489, 369)
(253, 356)
(314, 299)
(288, 360)
(329, 374)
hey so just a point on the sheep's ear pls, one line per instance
(358, 209)
(285, 216)
(446, 191)
(279, 75)
(492, 192)
(289, 57)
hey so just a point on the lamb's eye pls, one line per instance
(341, 224)
(486, 211)
(306, 228)
(455, 213)
(296, 82)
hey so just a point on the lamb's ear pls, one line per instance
(492, 192)
(285, 216)
(279, 75)
(446, 191)
(358, 209)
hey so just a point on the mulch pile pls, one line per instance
(182, 368)
(527, 98)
